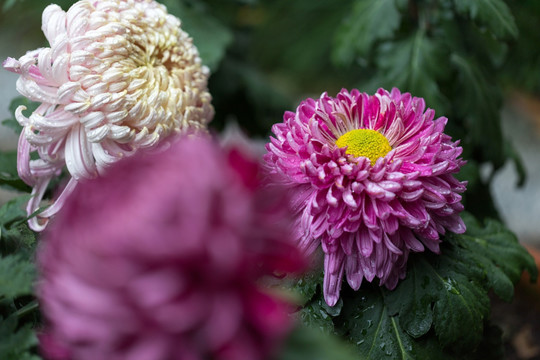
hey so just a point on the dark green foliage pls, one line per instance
(16, 276)
(318, 315)
(480, 103)
(244, 94)
(293, 41)
(497, 253)
(369, 21)
(307, 286)
(16, 341)
(413, 63)
(8, 172)
(368, 324)
(441, 309)
(12, 211)
(522, 69)
(8, 4)
(478, 200)
(309, 344)
(313, 311)
(492, 13)
(17, 244)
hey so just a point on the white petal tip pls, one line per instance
(13, 65)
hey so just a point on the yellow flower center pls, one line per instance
(365, 142)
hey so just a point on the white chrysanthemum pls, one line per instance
(119, 75)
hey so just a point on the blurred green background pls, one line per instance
(473, 61)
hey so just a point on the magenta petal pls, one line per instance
(354, 272)
(364, 242)
(411, 241)
(333, 274)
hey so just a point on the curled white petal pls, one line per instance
(54, 23)
(33, 204)
(79, 158)
(98, 134)
(57, 205)
(11, 64)
(23, 161)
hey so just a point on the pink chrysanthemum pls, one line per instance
(159, 259)
(119, 75)
(372, 181)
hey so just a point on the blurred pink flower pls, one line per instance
(119, 75)
(372, 181)
(159, 258)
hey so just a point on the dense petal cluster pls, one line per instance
(165, 263)
(367, 211)
(119, 75)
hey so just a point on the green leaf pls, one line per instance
(497, 252)
(306, 287)
(318, 315)
(415, 64)
(477, 200)
(442, 296)
(304, 343)
(369, 21)
(495, 14)
(17, 237)
(443, 302)
(16, 276)
(479, 104)
(522, 68)
(457, 283)
(297, 47)
(513, 155)
(209, 35)
(13, 210)
(8, 5)
(8, 163)
(11, 182)
(412, 300)
(378, 335)
(13, 125)
(459, 310)
(27, 309)
(367, 322)
(15, 343)
(314, 311)
(8, 172)
(246, 95)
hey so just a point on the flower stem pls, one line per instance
(28, 308)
